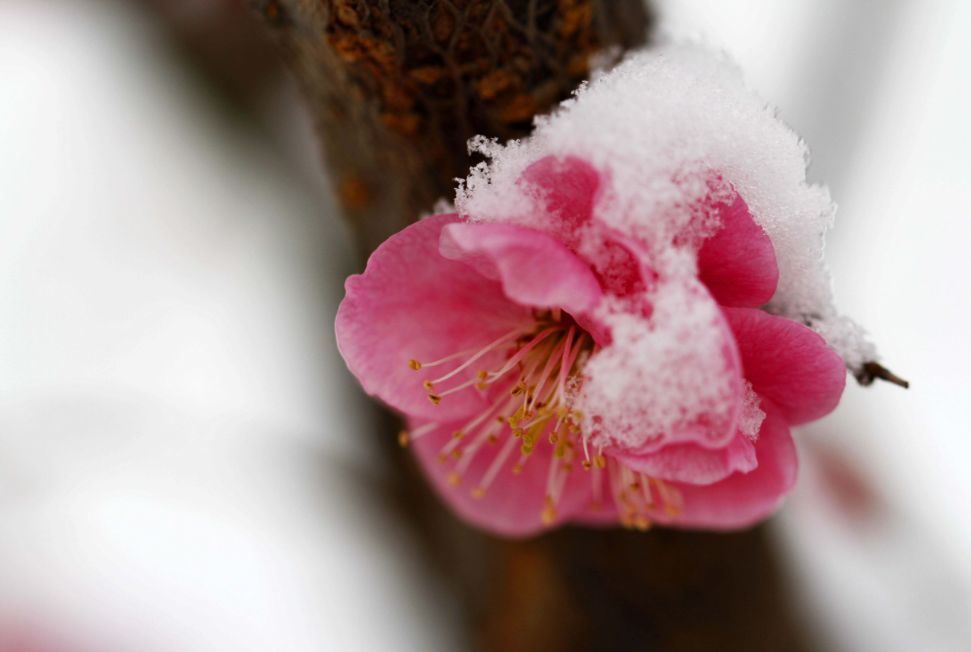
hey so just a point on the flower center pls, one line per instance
(530, 403)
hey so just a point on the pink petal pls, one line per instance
(513, 504)
(743, 499)
(788, 364)
(738, 262)
(534, 269)
(695, 464)
(738, 501)
(411, 303)
(569, 186)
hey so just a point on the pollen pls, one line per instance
(549, 511)
(414, 365)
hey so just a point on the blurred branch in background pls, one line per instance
(223, 44)
(397, 88)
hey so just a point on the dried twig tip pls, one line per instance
(871, 371)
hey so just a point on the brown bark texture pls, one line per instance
(397, 87)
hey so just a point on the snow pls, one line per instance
(656, 127)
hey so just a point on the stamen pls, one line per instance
(418, 366)
(472, 426)
(521, 353)
(568, 364)
(551, 476)
(564, 367)
(405, 437)
(547, 370)
(670, 497)
(549, 511)
(646, 492)
(459, 388)
(487, 349)
(485, 435)
(493, 470)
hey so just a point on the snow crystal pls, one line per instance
(663, 375)
(668, 130)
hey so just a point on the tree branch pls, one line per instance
(397, 87)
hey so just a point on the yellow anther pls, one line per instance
(435, 399)
(414, 364)
(517, 468)
(454, 479)
(429, 385)
(600, 461)
(404, 438)
(479, 493)
(641, 523)
(458, 434)
(549, 511)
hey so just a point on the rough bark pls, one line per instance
(397, 87)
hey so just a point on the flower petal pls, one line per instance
(514, 503)
(534, 269)
(743, 499)
(738, 262)
(788, 364)
(696, 464)
(411, 303)
(569, 187)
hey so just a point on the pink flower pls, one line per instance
(553, 373)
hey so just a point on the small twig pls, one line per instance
(871, 371)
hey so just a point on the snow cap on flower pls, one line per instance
(655, 126)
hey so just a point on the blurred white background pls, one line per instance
(183, 464)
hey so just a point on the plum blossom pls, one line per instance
(587, 340)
